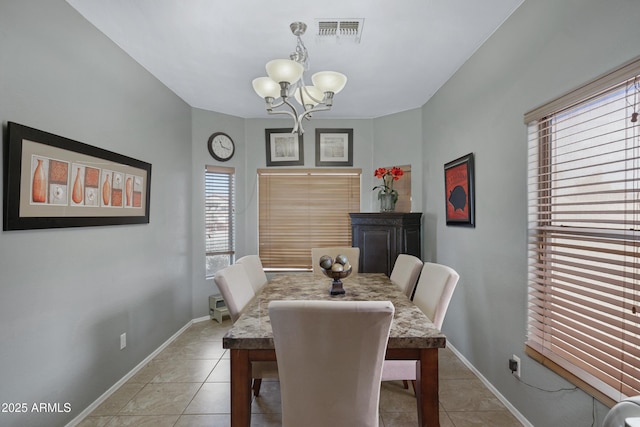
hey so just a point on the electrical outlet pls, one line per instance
(123, 341)
(514, 365)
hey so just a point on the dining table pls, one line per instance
(412, 336)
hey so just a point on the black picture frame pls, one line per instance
(53, 182)
(459, 191)
(334, 147)
(284, 148)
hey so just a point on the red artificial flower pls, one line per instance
(396, 172)
(380, 172)
(388, 175)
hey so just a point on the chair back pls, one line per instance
(235, 287)
(405, 272)
(253, 266)
(626, 408)
(330, 356)
(352, 254)
(434, 290)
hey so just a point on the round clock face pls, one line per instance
(221, 146)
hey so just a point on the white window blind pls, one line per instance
(584, 234)
(219, 217)
(304, 208)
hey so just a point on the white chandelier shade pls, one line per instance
(266, 87)
(329, 81)
(284, 70)
(309, 95)
(286, 80)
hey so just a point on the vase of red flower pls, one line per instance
(386, 194)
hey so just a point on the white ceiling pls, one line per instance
(209, 51)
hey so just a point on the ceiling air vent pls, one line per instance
(339, 30)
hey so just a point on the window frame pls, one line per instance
(545, 230)
(214, 180)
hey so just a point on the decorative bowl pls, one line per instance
(336, 283)
(336, 275)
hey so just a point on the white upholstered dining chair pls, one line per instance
(432, 295)
(327, 376)
(627, 408)
(405, 272)
(255, 271)
(352, 254)
(235, 286)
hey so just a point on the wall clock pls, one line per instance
(221, 146)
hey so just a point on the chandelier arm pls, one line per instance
(319, 107)
(271, 105)
(293, 113)
(297, 127)
(289, 113)
(293, 108)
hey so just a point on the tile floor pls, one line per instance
(187, 385)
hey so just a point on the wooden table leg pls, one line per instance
(240, 388)
(427, 388)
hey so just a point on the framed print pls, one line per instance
(284, 148)
(334, 147)
(459, 191)
(52, 182)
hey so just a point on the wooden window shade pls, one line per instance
(299, 209)
(584, 234)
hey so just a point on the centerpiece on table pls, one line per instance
(336, 269)
(386, 194)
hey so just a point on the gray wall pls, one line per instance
(66, 295)
(544, 49)
(204, 123)
(398, 141)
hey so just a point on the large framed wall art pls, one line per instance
(459, 191)
(51, 182)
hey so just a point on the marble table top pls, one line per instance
(410, 327)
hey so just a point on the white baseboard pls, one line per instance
(491, 388)
(201, 319)
(74, 422)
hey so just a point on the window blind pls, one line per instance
(219, 211)
(303, 208)
(584, 235)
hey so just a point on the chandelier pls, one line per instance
(286, 80)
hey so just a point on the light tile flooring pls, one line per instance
(187, 385)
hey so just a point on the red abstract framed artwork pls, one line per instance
(459, 191)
